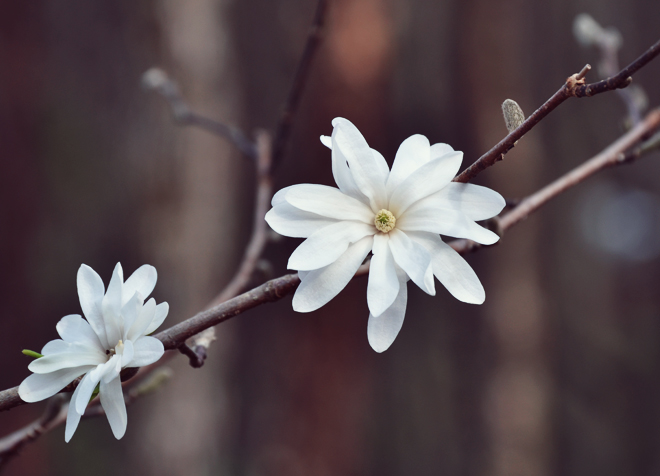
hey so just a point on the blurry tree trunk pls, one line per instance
(197, 236)
(516, 403)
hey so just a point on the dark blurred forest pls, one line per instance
(557, 373)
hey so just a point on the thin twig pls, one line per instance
(300, 78)
(157, 80)
(574, 87)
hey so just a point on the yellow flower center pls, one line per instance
(385, 221)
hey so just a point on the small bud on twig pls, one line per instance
(513, 114)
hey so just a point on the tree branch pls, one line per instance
(302, 73)
(573, 87)
(157, 80)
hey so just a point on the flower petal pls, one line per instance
(147, 350)
(161, 313)
(451, 269)
(383, 285)
(440, 149)
(288, 220)
(476, 202)
(130, 313)
(59, 346)
(325, 246)
(90, 293)
(72, 416)
(38, 387)
(112, 401)
(328, 202)
(73, 328)
(413, 258)
(349, 144)
(111, 306)
(143, 280)
(143, 321)
(382, 330)
(127, 354)
(413, 152)
(445, 222)
(426, 180)
(54, 362)
(87, 385)
(321, 285)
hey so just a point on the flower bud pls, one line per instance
(513, 114)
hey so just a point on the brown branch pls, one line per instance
(157, 80)
(295, 93)
(574, 87)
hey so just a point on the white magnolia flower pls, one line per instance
(398, 215)
(113, 337)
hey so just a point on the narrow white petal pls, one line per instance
(90, 293)
(128, 354)
(328, 202)
(280, 196)
(383, 285)
(86, 388)
(111, 306)
(147, 350)
(144, 320)
(54, 362)
(129, 313)
(112, 400)
(426, 180)
(413, 152)
(445, 222)
(143, 280)
(328, 244)
(440, 149)
(344, 177)
(382, 330)
(383, 170)
(321, 285)
(451, 269)
(38, 387)
(73, 328)
(288, 220)
(161, 313)
(413, 258)
(58, 346)
(349, 142)
(476, 202)
(326, 141)
(72, 416)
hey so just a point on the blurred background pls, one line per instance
(558, 373)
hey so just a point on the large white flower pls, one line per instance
(398, 215)
(113, 337)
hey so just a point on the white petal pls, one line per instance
(86, 388)
(438, 150)
(54, 362)
(90, 293)
(445, 222)
(73, 328)
(38, 387)
(383, 169)
(288, 220)
(112, 400)
(143, 280)
(451, 269)
(58, 346)
(328, 244)
(326, 141)
(413, 258)
(147, 350)
(328, 202)
(144, 320)
(426, 180)
(161, 313)
(413, 152)
(383, 285)
(382, 330)
(128, 354)
(476, 202)
(364, 166)
(111, 306)
(129, 313)
(321, 285)
(280, 196)
(72, 416)
(344, 177)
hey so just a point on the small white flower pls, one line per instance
(398, 215)
(113, 337)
